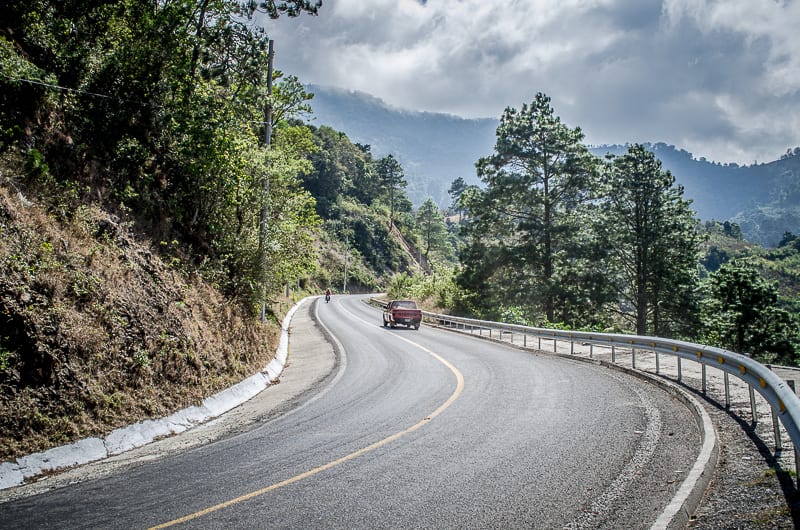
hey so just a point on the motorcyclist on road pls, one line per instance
(327, 295)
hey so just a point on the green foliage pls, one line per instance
(391, 177)
(338, 165)
(523, 230)
(652, 242)
(436, 290)
(354, 195)
(5, 358)
(433, 232)
(35, 165)
(514, 315)
(152, 107)
(401, 286)
(741, 313)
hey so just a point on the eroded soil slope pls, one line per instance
(99, 328)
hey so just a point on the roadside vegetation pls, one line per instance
(558, 237)
(145, 221)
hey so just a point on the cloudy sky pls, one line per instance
(719, 78)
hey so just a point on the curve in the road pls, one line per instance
(519, 440)
(380, 443)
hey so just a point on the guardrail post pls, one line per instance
(512, 337)
(753, 410)
(790, 382)
(658, 366)
(727, 391)
(524, 340)
(591, 351)
(571, 345)
(680, 372)
(777, 429)
(540, 342)
(703, 371)
(613, 354)
(555, 344)
(633, 358)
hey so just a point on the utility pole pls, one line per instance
(262, 239)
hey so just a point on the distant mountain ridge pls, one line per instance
(435, 149)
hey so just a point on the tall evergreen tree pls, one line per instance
(433, 230)
(652, 240)
(457, 189)
(523, 227)
(741, 312)
(390, 174)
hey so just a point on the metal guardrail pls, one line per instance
(777, 392)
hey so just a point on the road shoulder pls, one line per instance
(310, 363)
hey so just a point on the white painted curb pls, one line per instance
(139, 434)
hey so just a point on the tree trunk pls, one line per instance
(549, 303)
(641, 295)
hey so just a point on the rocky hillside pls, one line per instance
(100, 327)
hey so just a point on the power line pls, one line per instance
(67, 89)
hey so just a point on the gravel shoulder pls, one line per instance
(753, 486)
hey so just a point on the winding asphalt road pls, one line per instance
(413, 429)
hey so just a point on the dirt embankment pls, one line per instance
(99, 328)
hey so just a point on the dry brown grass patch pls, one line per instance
(99, 332)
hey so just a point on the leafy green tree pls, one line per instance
(150, 107)
(457, 189)
(653, 244)
(523, 228)
(338, 164)
(392, 178)
(741, 312)
(432, 230)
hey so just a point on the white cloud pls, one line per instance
(720, 78)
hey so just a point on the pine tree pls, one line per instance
(390, 174)
(457, 189)
(652, 241)
(433, 230)
(523, 227)
(741, 312)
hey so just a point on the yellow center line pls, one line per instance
(346, 458)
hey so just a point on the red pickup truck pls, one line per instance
(402, 312)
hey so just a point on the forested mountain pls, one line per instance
(763, 198)
(435, 149)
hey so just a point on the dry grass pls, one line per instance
(98, 331)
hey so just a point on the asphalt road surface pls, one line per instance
(413, 429)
